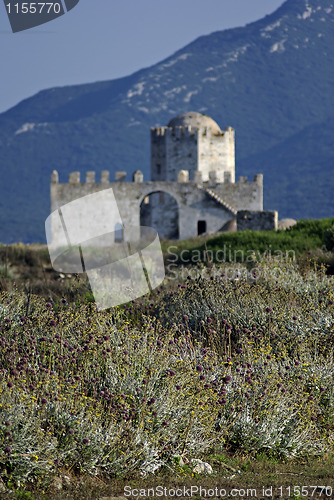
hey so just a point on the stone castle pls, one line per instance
(192, 188)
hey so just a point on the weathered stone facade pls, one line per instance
(257, 221)
(195, 143)
(192, 188)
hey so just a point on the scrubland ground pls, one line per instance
(232, 368)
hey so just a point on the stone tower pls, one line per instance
(192, 142)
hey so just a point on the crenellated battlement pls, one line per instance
(180, 131)
(187, 131)
(90, 178)
(138, 177)
(158, 131)
(257, 179)
(192, 188)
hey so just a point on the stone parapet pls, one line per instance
(138, 176)
(90, 177)
(183, 176)
(54, 177)
(105, 177)
(74, 178)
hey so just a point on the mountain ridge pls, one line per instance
(270, 80)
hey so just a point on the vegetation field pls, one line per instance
(232, 369)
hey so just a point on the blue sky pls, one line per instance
(106, 39)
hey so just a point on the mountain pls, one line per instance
(308, 181)
(271, 80)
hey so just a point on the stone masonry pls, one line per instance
(192, 188)
(257, 221)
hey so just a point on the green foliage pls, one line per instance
(329, 238)
(319, 231)
(23, 495)
(248, 246)
(246, 465)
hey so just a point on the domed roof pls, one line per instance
(195, 120)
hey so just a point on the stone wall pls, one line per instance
(242, 195)
(176, 207)
(187, 148)
(257, 221)
(158, 154)
(174, 150)
(216, 153)
(193, 203)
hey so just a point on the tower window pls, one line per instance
(158, 169)
(201, 227)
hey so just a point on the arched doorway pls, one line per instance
(160, 211)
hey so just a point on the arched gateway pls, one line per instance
(160, 210)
